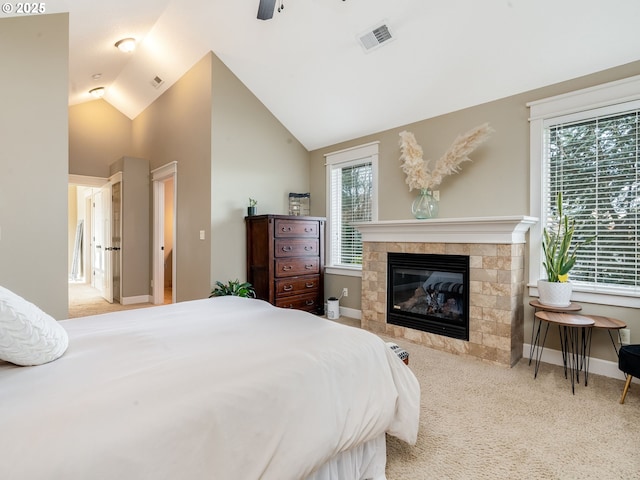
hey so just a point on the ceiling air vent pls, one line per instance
(156, 82)
(375, 37)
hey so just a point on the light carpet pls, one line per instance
(481, 421)
(85, 300)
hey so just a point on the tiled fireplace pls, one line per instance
(495, 246)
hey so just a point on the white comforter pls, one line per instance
(224, 388)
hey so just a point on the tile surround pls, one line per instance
(496, 261)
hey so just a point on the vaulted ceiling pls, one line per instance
(310, 70)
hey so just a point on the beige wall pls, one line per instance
(98, 136)
(136, 226)
(253, 155)
(34, 152)
(495, 183)
(228, 147)
(177, 127)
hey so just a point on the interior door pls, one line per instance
(102, 275)
(116, 239)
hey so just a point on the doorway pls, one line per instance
(164, 233)
(94, 229)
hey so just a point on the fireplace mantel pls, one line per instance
(496, 230)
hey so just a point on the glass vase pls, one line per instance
(425, 205)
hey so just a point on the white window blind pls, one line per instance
(595, 163)
(351, 182)
(585, 143)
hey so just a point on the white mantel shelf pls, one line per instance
(498, 230)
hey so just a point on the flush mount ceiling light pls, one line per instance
(97, 92)
(126, 45)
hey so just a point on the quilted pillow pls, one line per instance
(28, 336)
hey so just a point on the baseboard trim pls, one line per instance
(351, 313)
(597, 366)
(136, 299)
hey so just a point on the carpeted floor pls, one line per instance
(85, 300)
(480, 421)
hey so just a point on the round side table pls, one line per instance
(569, 327)
(608, 324)
(535, 331)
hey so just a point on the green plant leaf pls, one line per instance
(556, 244)
(233, 287)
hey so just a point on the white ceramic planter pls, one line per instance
(554, 294)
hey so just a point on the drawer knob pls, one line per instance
(287, 248)
(286, 268)
(309, 267)
(308, 248)
(309, 302)
(287, 288)
(310, 285)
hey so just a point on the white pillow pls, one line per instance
(28, 336)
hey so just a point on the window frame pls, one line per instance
(353, 156)
(610, 98)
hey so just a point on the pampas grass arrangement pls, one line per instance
(420, 176)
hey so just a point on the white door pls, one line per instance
(102, 242)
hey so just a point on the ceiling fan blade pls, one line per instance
(265, 9)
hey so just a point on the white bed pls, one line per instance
(225, 388)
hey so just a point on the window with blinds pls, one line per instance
(351, 198)
(594, 160)
(351, 202)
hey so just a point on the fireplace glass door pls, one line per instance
(429, 293)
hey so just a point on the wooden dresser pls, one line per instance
(285, 260)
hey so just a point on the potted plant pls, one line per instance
(252, 209)
(235, 288)
(558, 260)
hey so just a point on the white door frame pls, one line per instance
(93, 183)
(158, 177)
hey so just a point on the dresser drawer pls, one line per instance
(293, 267)
(300, 302)
(296, 247)
(297, 285)
(296, 228)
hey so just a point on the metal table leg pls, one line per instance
(535, 338)
(538, 353)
